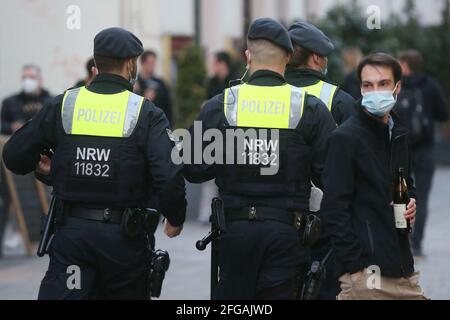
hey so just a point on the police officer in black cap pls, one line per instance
(111, 157)
(262, 254)
(307, 69)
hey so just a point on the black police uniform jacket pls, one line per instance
(141, 173)
(302, 156)
(343, 105)
(361, 164)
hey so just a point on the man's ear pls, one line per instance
(94, 71)
(316, 59)
(129, 65)
(248, 56)
(399, 88)
(288, 58)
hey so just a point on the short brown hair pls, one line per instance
(300, 57)
(413, 59)
(266, 52)
(108, 64)
(381, 59)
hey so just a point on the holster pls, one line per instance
(137, 222)
(311, 230)
(160, 262)
(54, 217)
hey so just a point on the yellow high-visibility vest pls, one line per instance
(324, 91)
(105, 115)
(263, 106)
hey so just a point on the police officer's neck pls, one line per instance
(280, 69)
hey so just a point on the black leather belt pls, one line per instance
(103, 215)
(296, 219)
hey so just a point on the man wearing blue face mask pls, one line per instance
(373, 255)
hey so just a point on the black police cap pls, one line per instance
(310, 37)
(117, 43)
(269, 29)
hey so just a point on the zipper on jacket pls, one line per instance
(392, 149)
(402, 269)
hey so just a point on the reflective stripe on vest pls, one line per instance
(106, 115)
(322, 90)
(264, 107)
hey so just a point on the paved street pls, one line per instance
(188, 277)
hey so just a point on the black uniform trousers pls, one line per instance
(111, 266)
(260, 260)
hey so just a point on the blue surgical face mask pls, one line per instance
(379, 103)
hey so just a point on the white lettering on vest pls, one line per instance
(103, 116)
(94, 154)
(267, 107)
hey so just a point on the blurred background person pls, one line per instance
(152, 87)
(351, 57)
(16, 110)
(21, 107)
(91, 73)
(220, 80)
(222, 76)
(420, 104)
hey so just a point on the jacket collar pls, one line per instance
(306, 73)
(266, 78)
(379, 126)
(115, 83)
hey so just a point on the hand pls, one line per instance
(44, 165)
(410, 213)
(150, 94)
(172, 231)
(16, 125)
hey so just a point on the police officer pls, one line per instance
(111, 155)
(261, 254)
(307, 69)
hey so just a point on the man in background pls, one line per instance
(21, 107)
(221, 74)
(15, 112)
(220, 81)
(351, 57)
(152, 87)
(91, 70)
(420, 104)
